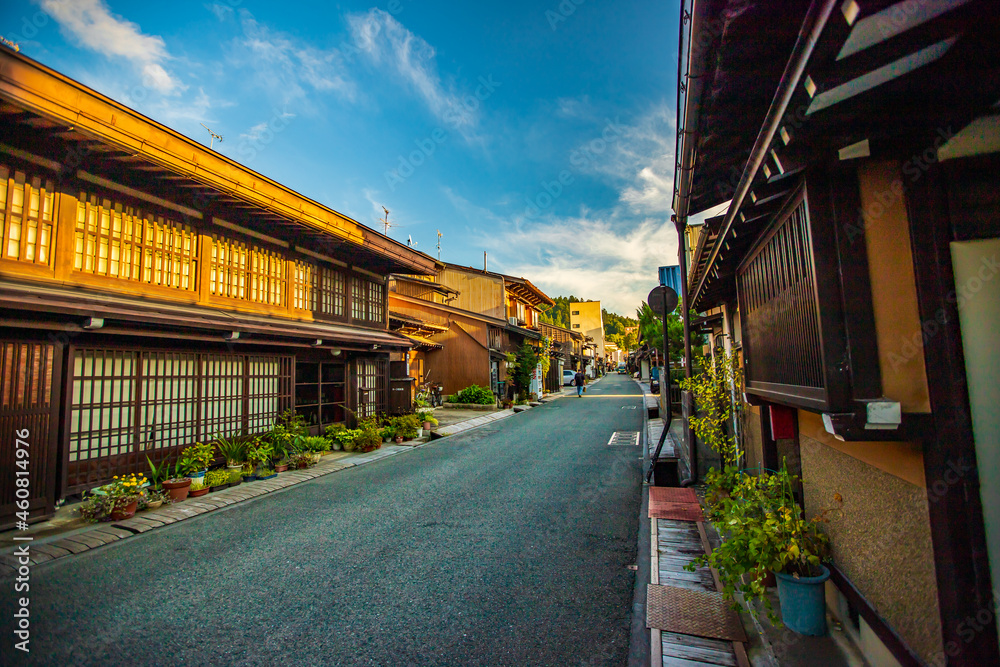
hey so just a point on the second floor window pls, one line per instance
(247, 272)
(120, 241)
(25, 217)
(367, 297)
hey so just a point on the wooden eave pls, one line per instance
(45, 100)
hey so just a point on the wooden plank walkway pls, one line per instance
(677, 543)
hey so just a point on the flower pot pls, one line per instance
(316, 457)
(271, 476)
(124, 511)
(155, 505)
(427, 426)
(177, 488)
(399, 439)
(219, 487)
(249, 478)
(239, 480)
(200, 492)
(803, 603)
(281, 467)
(198, 476)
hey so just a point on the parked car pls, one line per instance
(568, 376)
(622, 369)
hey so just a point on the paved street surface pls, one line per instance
(508, 545)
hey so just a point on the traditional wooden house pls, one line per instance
(154, 292)
(565, 353)
(486, 315)
(855, 273)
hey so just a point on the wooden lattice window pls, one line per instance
(369, 382)
(130, 404)
(304, 285)
(780, 317)
(119, 241)
(102, 418)
(247, 272)
(332, 293)
(367, 300)
(26, 214)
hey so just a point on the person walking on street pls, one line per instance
(578, 380)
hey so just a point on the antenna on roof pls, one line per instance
(410, 242)
(439, 243)
(214, 136)
(385, 223)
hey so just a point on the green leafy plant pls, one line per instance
(265, 472)
(96, 508)
(718, 397)
(259, 452)
(198, 456)
(764, 530)
(408, 426)
(197, 486)
(474, 394)
(234, 451)
(388, 432)
(216, 477)
(158, 474)
(427, 416)
(315, 444)
(346, 438)
(151, 495)
(367, 440)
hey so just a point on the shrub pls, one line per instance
(346, 436)
(216, 477)
(427, 416)
(475, 394)
(367, 440)
(315, 444)
(408, 426)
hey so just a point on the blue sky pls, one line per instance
(541, 131)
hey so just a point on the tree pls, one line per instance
(651, 328)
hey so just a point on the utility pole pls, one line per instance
(439, 243)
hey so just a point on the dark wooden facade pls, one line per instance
(834, 272)
(154, 293)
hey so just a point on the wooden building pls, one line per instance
(154, 293)
(565, 352)
(484, 316)
(854, 271)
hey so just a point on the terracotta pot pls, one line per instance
(399, 439)
(122, 512)
(177, 488)
(427, 426)
(281, 468)
(200, 492)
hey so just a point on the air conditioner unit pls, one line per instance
(512, 321)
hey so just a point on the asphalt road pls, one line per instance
(508, 545)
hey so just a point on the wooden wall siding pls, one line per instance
(127, 404)
(427, 313)
(418, 291)
(463, 361)
(781, 328)
(29, 399)
(27, 210)
(107, 240)
(477, 293)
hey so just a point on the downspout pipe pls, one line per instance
(809, 34)
(686, 310)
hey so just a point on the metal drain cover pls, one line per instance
(624, 439)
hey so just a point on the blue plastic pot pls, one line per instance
(803, 602)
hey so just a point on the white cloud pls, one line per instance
(610, 255)
(390, 45)
(222, 12)
(288, 68)
(93, 25)
(588, 256)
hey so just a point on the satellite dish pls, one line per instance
(656, 297)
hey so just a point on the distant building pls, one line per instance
(585, 317)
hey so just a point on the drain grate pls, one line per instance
(624, 439)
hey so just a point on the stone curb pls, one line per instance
(94, 537)
(469, 424)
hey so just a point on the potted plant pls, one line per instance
(266, 473)
(198, 488)
(235, 453)
(367, 440)
(175, 482)
(152, 499)
(259, 454)
(124, 492)
(196, 459)
(427, 419)
(407, 427)
(332, 434)
(217, 480)
(247, 473)
(315, 446)
(388, 433)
